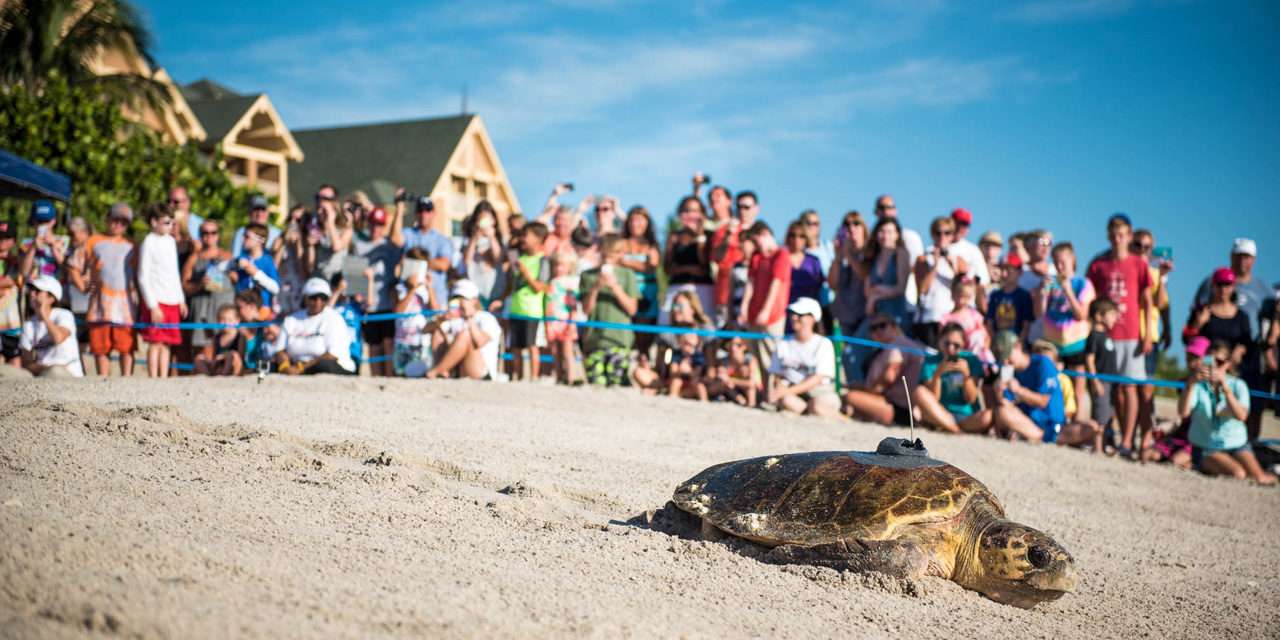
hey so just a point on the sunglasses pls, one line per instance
(853, 223)
(797, 236)
(175, 201)
(737, 345)
(317, 296)
(1142, 247)
(691, 211)
(117, 221)
(208, 232)
(321, 198)
(944, 234)
(880, 325)
(953, 345)
(887, 206)
(812, 223)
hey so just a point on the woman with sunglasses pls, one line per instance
(1217, 404)
(848, 273)
(935, 271)
(204, 280)
(1222, 320)
(950, 384)
(806, 268)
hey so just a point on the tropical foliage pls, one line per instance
(79, 132)
(45, 39)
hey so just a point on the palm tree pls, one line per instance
(41, 39)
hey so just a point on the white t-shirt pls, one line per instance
(795, 361)
(915, 248)
(1031, 280)
(35, 338)
(936, 302)
(306, 338)
(972, 256)
(489, 325)
(409, 331)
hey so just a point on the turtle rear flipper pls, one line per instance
(891, 557)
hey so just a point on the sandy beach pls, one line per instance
(361, 507)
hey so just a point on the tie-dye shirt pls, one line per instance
(1060, 324)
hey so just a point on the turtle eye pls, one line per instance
(1038, 557)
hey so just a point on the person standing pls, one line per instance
(484, 254)
(77, 282)
(45, 253)
(383, 256)
(848, 273)
(206, 283)
(112, 264)
(889, 273)
(48, 341)
(1062, 304)
(609, 294)
(764, 305)
(160, 284)
(259, 213)
(10, 293)
(254, 268)
(1123, 278)
(965, 248)
(1254, 296)
(936, 271)
(727, 254)
(423, 234)
(686, 259)
(184, 218)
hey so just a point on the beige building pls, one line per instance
(451, 159)
(256, 145)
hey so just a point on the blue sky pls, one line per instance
(1044, 113)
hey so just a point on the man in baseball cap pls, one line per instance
(965, 248)
(803, 370)
(1256, 299)
(424, 235)
(48, 342)
(468, 336)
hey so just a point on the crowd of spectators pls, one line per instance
(1011, 340)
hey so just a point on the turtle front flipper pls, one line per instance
(892, 557)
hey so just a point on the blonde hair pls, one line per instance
(691, 298)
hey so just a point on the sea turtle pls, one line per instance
(895, 510)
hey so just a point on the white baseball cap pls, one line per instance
(465, 289)
(1246, 246)
(49, 284)
(316, 286)
(806, 307)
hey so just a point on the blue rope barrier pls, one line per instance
(644, 328)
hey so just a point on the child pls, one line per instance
(249, 309)
(1163, 444)
(1062, 303)
(351, 308)
(223, 355)
(161, 286)
(688, 368)
(562, 304)
(1009, 307)
(977, 341)
(254, 267)
(414, 294)
(1076, 433)
(1100, 357)
(736, 376)
(526, 289)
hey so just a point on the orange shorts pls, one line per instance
(105, 338)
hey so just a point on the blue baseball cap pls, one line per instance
(42, 211)
(1119, 217)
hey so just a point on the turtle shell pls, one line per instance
(821, 497)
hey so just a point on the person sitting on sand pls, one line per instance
(687, 313)
(465, 338)
(688, 369)
(881, 398)
(1217, 403)
(1029, 397)
(314, 339)
(950, 385)
(735, 377)
(48, 340)
(222, 355)
(803, 371)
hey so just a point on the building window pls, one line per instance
(459, 185)
(482, 190)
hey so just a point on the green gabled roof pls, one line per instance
(206, 89)
(410, 153)
(218, 116)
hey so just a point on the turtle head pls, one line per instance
(1021, 566)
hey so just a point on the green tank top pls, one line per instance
(525, 301)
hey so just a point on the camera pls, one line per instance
(568, 186)
(407, 196)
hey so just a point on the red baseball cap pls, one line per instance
(962, 216)
(1224, 275)
(378, 216)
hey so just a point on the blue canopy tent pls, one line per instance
(21, 178)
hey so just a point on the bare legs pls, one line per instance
(1241, 465)
(157, 360)
(459, 357)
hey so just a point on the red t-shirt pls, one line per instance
(763, 272)
(1122, 282)
(732, 256)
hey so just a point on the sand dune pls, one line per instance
(357, 507)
